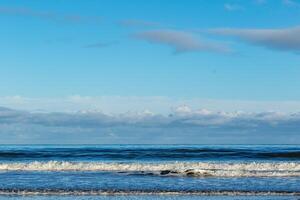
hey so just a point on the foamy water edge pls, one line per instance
(252, 169)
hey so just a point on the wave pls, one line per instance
(196, 169)
(150, 192)
(151, 153)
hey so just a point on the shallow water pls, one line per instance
(150, 197)
(150, 172)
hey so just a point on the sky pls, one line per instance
(159, 71)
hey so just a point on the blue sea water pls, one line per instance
(149, 172)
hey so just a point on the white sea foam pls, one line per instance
(253, 169)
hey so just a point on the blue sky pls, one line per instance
(49, 56)
(115, 56)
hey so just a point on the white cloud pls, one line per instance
(180, 41)
(100, 44)
(138, 23)
(232, 7)
(48, 15)
(291, 3)
(260, 2)
(285, 39)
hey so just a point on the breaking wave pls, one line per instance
(196, 169)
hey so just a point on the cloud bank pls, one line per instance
(182, 125)
(157, 104)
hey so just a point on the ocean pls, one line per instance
(122, 172)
